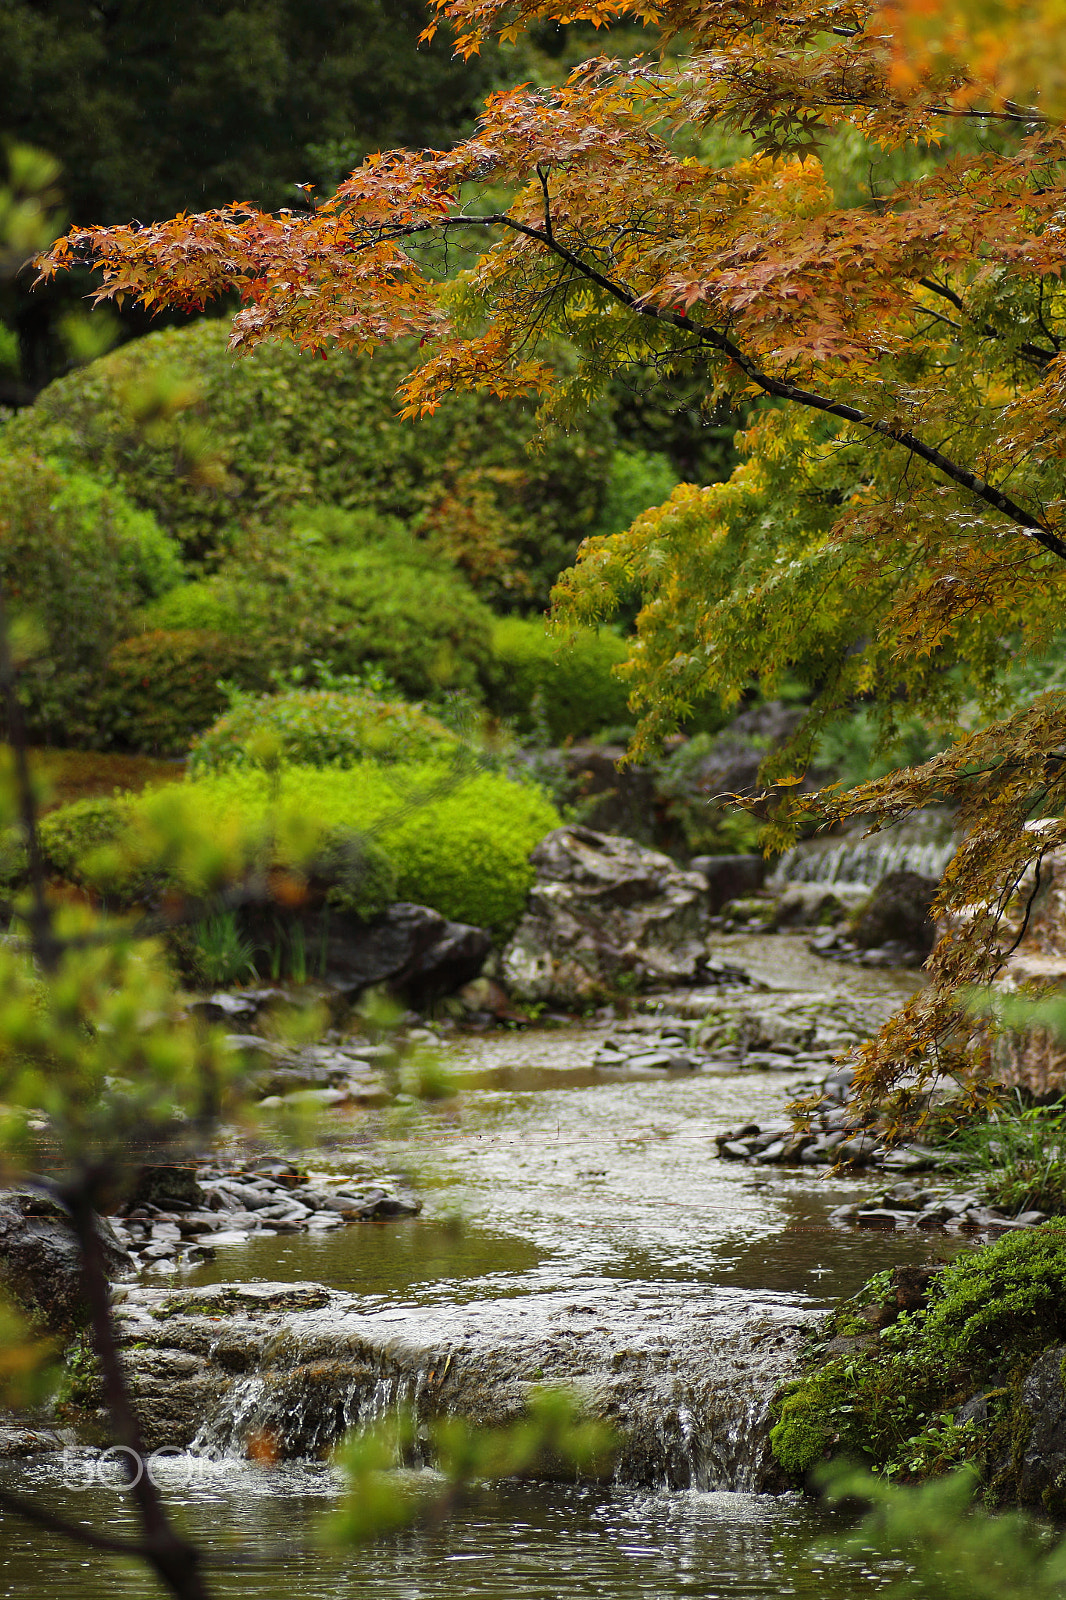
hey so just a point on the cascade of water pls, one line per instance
(865, 862)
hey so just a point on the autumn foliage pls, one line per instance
(850, 212)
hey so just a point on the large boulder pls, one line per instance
(898, 913)
(40, 1264)
(605, 914)
(730, 877)
(413, 950)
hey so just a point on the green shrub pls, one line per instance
(71, 836)
(158, 690)
(287, 430)
(77, 560)
(350, 591)
(430, 833)
(563, 686)
(320, 728)
(460, 845)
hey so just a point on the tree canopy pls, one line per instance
(835, 214)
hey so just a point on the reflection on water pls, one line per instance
(534, 1541)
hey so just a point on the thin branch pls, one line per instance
(1031, 352)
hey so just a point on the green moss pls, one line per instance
(987, 1316)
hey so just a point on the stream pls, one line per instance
(574, 1215)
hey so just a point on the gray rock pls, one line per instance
(729, 877)
(1042, 1470)
(40, 1264)
(603, 912)
(897, 913)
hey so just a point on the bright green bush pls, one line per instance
(561, 685)
(78, 559)
(71, 836)
(156, 691)
(321, 728)
(459, 843)
(348, 590)
(286, 430)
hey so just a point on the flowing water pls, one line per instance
(572, 1212)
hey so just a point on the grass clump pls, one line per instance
(1017, 1157)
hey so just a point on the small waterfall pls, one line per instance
(687, 1390)
(865, 861)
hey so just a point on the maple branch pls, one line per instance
(781, 389)
(1031, 352)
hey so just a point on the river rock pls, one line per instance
(898, 914)
(40, 1264)
(411, 949)
(605, 913)
(729, 877)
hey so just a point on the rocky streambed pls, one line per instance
(579, 1227)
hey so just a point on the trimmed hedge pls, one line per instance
(350, 591)
(287, 430)
(321, 728)
(561, 685)
(77, 561)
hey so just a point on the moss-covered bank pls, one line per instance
(929, 1367)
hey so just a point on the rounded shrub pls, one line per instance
(156, 691)
(347, 590)
(320, 728)
(457, 842)
(77, 560)
(564, 686)
(210, 443)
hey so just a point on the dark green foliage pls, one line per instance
(77, 560)
(891, 1397)
(344, 591)
(320, 728)
(703, 824)
(561, 687)
(177, 107)
(158, 690)
(288, 431)
(169, 107)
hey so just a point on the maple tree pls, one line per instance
(850, 212)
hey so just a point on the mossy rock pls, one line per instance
(941, 1367)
